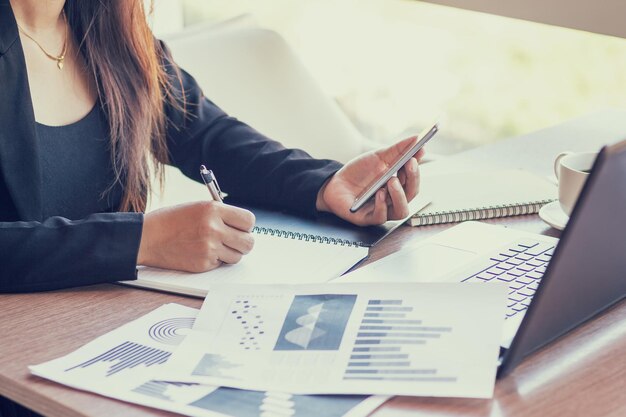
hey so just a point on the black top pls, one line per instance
(76, 167)
(43, 252)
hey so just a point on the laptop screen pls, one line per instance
(587, 273)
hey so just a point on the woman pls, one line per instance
(88, 100)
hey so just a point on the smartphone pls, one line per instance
(379, 182)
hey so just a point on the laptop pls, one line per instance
(554, 285)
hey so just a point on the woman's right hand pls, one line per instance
(195, 237)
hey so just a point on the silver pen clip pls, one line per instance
(211, 182)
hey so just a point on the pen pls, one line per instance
(211, 182)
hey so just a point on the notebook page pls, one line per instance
(273, 260)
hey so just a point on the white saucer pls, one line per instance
(553, 215)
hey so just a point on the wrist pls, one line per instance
(320, 203)
(144, 243)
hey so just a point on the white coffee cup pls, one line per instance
(572, 170)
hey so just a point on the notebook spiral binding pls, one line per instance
(489, 212)
(305, 236)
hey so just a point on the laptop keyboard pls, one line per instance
(522, 266)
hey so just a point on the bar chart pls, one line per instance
(124, 356)
(387, 334)
(159, 389)
(242, 403)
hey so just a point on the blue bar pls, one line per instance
(139, 355)
(398, 315)
(389, 342)
(150, 389)
(392, 371)
(154, 356)
(153, 389)
(130, 361)
(162, 358)
(377, 349)
(144, 357)
(114, 353)
(391, 356)
(376, 321)
(387, 334)
(108, 355)
(126, 355)
(409, 328)
(375, 364)
(400, 378)
(389, 309)
(385, 302)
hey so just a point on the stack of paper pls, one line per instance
(124, 365)
(285, 341)
(390, 339)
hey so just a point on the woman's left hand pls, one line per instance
(389, 203)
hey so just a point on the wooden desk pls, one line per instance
(583, 373)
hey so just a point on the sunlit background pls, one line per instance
(393, 65)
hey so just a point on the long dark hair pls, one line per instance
(126, 62)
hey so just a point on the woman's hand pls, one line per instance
(196, 237)
(389, 203)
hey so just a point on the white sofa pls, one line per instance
(254, 75)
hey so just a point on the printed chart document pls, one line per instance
(122, 364)
(273, 260)
(394, 339)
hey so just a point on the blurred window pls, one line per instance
(393, 65)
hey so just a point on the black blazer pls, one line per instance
(43, 254)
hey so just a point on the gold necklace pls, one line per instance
(60, 58)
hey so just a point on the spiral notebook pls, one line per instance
(326, 228)
(274, 260)
(288, 249)
(482, 195)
